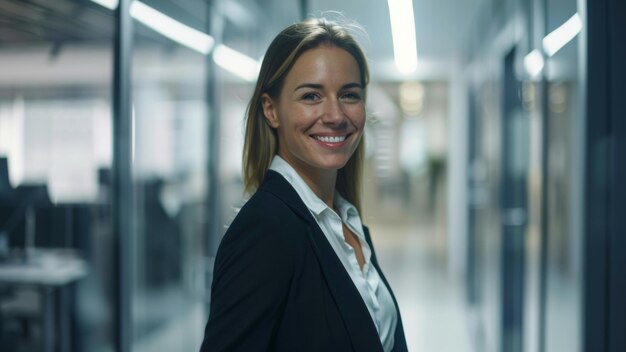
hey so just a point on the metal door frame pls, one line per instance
(605, 173)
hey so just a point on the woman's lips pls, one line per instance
(332, 142)
(331, 139)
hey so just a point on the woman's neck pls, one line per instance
(321, 182)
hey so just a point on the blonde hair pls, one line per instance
(260, 142)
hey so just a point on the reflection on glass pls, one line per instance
(563, 306)
(170, 129)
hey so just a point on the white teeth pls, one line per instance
(336, 139)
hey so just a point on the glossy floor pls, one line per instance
(414, 260)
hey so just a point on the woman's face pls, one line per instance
(319, 115)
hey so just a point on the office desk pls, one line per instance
(48, 270)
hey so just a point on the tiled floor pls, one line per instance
(413, 258)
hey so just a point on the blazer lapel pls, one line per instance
(356, 317)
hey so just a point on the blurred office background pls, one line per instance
(494, 142)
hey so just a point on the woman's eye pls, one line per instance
(351, 96)
(310, 96)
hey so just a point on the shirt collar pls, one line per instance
(349, 215)
(346, 211)
(310, 199)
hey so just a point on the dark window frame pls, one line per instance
(605, 172)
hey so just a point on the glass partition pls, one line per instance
(565, 113)
(170, 119)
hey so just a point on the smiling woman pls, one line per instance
(319, 115)
(296, 270)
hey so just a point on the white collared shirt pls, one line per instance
(375, 294)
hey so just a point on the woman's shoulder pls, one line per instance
(265, 217)
(266, 207)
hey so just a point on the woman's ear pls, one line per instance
(269, 110)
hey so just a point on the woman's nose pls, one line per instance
(333, 112)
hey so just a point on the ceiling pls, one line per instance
(440, 26)
(57, 23)
(24, 22)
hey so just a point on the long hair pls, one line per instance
(260, 142)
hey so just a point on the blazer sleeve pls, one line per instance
(253, 271)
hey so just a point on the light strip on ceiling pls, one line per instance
(533, 63)
(236, 62)
(109, 4)
(225, 57)
(403, 34)
(169, 27)
(557, 39)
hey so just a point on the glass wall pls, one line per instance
(170, 119)
(526, 293)
(565, 114)
(484, 176)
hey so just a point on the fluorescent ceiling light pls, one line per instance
(169, 27)
(236, 62)
(109, 4)
(533, 63)
(403, 33)
(557, 39)
(227, 58)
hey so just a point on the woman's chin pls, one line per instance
(335, 163)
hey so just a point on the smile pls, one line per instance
(331, 139)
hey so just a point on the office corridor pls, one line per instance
(492, 180)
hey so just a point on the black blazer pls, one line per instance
(279, 286)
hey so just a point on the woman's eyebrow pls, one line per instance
(320, 86)
(309, 85)
(352, 85)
